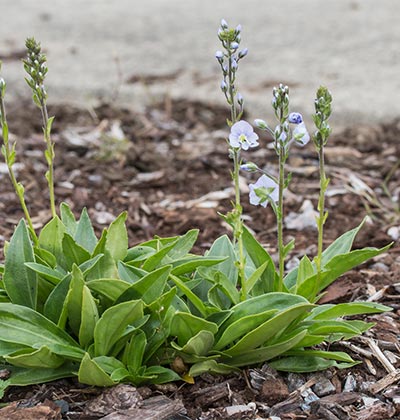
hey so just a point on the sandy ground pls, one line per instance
(94, 46)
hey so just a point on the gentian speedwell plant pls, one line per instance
(75, 305)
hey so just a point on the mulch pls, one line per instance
(168, 167)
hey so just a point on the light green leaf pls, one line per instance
(73, 252)
(269, 329)
(35, 358)
(84, 234)
(19, 281)
(303, 364)
(49, 274)
(90, 373)
(68, 219)
(23, 325)
(109, 288)
(117, 238)
(134, 352)
(185, 326)
(51, 237)
(113, 323)
(55, 307)
(89, 318)
(211, 366)
(74, 300)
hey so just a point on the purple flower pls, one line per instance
(265, 188)
(300, 134)
(295, 118)
(242, 135)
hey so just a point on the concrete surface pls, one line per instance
(352, 46)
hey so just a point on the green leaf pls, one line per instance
(84, 234)
(189, 265)
(200, 344)
(117, 238)
(211, 366)
(90, 373)
(242, 326)
(268, 329)
(19, 281)
(341, 245)
(194, 299)
(73, 252)
(138, 253)
(181, 247)
(113, 323)
(161, 375)
(51, 237)
(337, 266)
(35, 358)
(112, 289)
(305, 270)
(155, 260)
(148, 288)
(185, 326)
(23, 377)
(56, 304)
(222, 248)
(326, 312)
(23, 325)
(130, 273)
(263, 354)
(134, 352)
(259, 256)
(44, 256)
(51, 275)
(68, 219)
(74, 300)
(89, 318)
(301, 364)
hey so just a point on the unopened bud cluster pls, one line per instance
(323, 109)
(35, 66)
(228, 60)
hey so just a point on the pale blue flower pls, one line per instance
(219, 55)
(263, 190)
(234, 45)
(224, 86)
(242, 135)
(295, 118)
(300, 134)
(243, 53)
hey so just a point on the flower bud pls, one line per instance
(224, 24)
(240, 98)
(243, 53)
(234, 64)
(261, 124)
(234, 45)
(238, 28)
(219, 55)
(224, 86)
(249, 167)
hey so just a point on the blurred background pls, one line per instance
(133, 52)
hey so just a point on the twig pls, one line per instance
(379, 355)
(389, 379)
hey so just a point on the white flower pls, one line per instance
(265, 188)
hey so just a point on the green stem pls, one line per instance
(19, 190)
(238, 223)
(279, 215)
(49, 158)
(321, 216)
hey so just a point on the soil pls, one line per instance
(169, 168)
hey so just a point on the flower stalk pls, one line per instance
(322, 113)
(228, 60)
(36, 68)
(9, 153)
